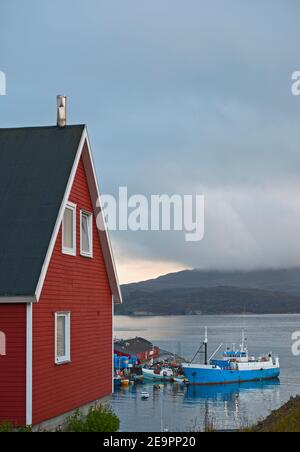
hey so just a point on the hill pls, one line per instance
(284, 280)
(211, 292)
(284, 420)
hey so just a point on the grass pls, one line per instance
(99, 419)
(7, 427)
(284, 420)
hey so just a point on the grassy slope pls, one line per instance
(284, 420)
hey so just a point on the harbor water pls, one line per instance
(180, 409)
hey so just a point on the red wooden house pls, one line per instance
(58, 280)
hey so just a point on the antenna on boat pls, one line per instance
(205, 347)
(243, 340)
(206, 336)
(244, 347)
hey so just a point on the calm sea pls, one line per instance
(227, 407)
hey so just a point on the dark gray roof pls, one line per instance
(35, 166)
(133, 346)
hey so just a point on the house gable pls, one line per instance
(84, 155)
(37, 170)
(80, 286)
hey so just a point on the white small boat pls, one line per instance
(145, 395)
(158, 375)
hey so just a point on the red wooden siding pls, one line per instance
(13, 365)
(79, 285)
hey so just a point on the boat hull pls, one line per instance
(203, 377)
(151, 376)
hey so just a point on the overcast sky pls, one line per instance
(180, 97)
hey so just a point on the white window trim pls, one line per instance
(29, 310)
(66, 250)
(90, 225)
(67, 358)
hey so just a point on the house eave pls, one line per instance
(16, 300)
(103, 232)
(118, 299)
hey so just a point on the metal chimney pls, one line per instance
(61, 111)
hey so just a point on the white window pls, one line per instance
(62, 337)
(69, 230)
(86, 234)
(2, 344)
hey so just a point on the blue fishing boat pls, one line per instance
(235, 366)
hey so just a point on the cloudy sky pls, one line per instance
(180, 97)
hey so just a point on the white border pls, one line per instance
(90, 226)
(65, 250)
(15, 300)
(67, 358)
(29, 309)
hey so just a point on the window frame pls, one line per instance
(67, 358)
(2, 343)
(90, 226)
(66, 250)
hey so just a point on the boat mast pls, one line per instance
(244, 347)
(243, 340)
(200, 350)
(206, 348)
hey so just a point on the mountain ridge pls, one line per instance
(215, 292)
(286, 280)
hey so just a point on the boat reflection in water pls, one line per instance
(226, 392)
(192, 408)
(230, 399)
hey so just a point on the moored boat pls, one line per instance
(165, 374)
(235, 366)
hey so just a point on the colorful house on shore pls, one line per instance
(58, 280)
(139, 347)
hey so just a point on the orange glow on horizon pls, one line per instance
(136, 270)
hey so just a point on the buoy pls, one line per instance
(145, 395)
